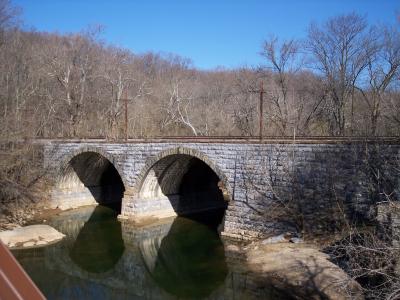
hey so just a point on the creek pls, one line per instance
(104, 258)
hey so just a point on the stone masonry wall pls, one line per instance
(272, 187)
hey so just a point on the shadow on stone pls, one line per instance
(100, 177)
(184, 185)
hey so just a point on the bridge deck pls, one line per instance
(234, 140)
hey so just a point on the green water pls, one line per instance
(103, 259)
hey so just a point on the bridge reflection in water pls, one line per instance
(99, 244)
(102, 258)
(190, 260)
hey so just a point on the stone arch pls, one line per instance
(175, 151)
(181, 181)
(65, 160)
(87, 176)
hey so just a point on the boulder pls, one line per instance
(32, 236)
(282, 238)
(302, 269)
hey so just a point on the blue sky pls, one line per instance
(211, 33)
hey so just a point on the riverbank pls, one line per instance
(287, 262)
(24, 212)
(17, 214)
(300, 269)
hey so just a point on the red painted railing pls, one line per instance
(15, 284)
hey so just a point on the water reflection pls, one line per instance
(102, 258)
(190, 260)
(99, 244)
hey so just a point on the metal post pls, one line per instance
(126, 114)
(261, 109)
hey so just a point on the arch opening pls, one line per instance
(89, 178)
(185, 185)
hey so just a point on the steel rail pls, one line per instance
(230, 139)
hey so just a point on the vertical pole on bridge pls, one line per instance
(261, 109)
(126, 114)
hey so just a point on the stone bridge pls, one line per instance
(309, 185)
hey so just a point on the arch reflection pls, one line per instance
(189, 261)
(99, 244)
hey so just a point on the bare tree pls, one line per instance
(71, 66)
(178, 108)
(245, 100)
(118, 78)
(340, 51)
(392, 113)
(383, 64)
(8, 17)
(283, 58)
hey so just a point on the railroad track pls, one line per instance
(230, 139)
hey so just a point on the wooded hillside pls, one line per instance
(342, 80)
